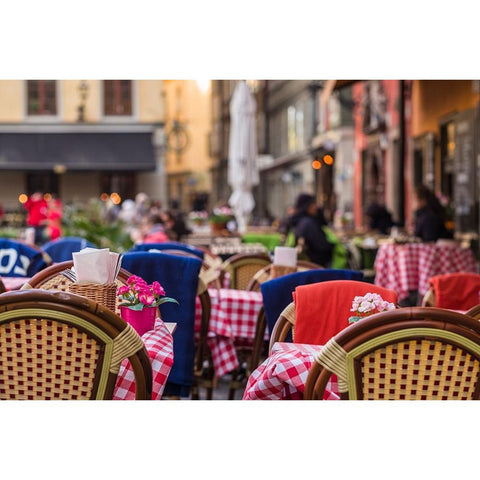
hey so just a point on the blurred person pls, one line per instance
(379, 218)
(306, 224)
(54, 218)
(179, 227)
(153, 230)
(128, 212)
(430, 215)
(37, 209)
(142, 206)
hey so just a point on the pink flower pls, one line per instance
(146, 297)
(123, 290)
(134, 279)
(157, 289)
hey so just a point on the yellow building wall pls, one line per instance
(150, 101)
(11, 100)
(431, 99)
(186, 102)
(70, 100)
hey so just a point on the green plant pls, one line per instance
(92, 222)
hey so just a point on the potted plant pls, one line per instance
(140, 302)
(219, 218)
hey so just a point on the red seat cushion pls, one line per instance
(456, 291)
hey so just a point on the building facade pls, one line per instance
(81, 138)
(188, 125)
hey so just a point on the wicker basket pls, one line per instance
(105, 295)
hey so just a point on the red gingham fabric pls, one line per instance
(159, 343)
(406, 267)
(14, 283)
(233, 319)
(283, 374)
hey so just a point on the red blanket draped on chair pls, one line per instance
(323, 309)
(456, 291)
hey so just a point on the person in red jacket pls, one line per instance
(37, 209)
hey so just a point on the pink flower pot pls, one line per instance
(141, 320)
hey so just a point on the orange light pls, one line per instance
(316, 164)
(22, 198)
(115, 198)
(47, 197)
(328, 159)
(104, 197)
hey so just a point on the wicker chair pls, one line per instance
(414, 353)
(264, 274)
(203, 372)
(474, 312)
(60, 346)
(242, 268)
(51, 278)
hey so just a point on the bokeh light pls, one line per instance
(328, 159)
(47, 197)
(115, 198)
(316, 164)
(22, 198)
(104, 197)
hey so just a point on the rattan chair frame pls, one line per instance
(264, 274)
(474, 312)
(383, 330)
(429, 299)
(234, 266)
(87, 317)
(284, 324)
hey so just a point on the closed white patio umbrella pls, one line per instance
(242, 154)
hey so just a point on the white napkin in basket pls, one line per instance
(92, 265)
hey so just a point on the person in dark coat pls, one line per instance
(307, 224)
(380, 218)
(429, 216)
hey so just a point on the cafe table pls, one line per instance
(282, 376)
(233, 320)
(159, 345)
(408, 267)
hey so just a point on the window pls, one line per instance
(41, 97)
(117, 97)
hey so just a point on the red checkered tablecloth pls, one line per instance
(407, 267)
(233, 319)
(14, 283)
(283, 374)
(159, 343)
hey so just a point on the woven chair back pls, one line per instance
(51, 278)
(264, 274)
(406, 354)
(243, 267)
(60, 346)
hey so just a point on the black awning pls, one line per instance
(77, 151)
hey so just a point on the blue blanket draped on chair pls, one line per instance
(20, 260)
(277, 293)
(179, 277)
(61, 250)
(146, 247)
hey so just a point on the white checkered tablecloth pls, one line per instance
(283, 374)
(159, 343)
(233, 319)
(407, 267)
